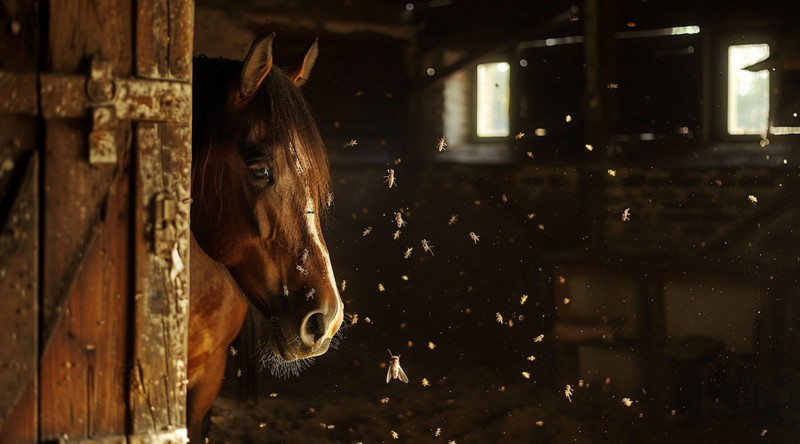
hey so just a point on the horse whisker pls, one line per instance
(281, 368)
(259, 349)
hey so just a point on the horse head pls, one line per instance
(261, 186)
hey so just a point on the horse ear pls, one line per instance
(257, 65)
(301, 73)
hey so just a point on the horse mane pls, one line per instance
(278, 106)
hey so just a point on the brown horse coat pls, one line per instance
(260, 183)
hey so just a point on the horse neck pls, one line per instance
(217, 306)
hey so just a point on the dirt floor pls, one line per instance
(342, 399)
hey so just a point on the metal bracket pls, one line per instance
(100, 90)
(164, 219)
(110, 100)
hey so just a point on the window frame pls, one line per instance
(718, 80)
(766, 115)
(473, 112)
(473, 136)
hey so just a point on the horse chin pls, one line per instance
(282, 356)
(292, 350)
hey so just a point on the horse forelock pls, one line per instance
(291, 128)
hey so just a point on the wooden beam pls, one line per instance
(491, 48)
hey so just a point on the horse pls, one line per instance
(260, 189)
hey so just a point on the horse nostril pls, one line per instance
(313, 328)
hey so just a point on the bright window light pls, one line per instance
(681, 30)
(748, 92)
(493, 95)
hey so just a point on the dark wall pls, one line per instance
(359, 87)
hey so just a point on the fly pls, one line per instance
(395, 371)
(390, 178)
(398, 218)
(441, 144)
(304, 256)
(427, 247)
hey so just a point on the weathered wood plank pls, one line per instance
(158, 392)
(74, 189)
(18, 93)
(86, 239)
(164, 39)
(21, 425)
(152, 36)
(19, 176)
(181, 19)
(17, 142)
(84, 364)
(19, 298)
(80, 29)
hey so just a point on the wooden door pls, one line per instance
(95, 110)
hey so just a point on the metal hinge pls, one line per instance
(108, 98)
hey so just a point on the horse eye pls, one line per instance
(262, 173)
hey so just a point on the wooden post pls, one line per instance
(601, 68)
(163, 167)
(599, 106)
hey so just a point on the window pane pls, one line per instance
(493, 94)
(748, 92)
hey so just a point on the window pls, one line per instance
(748, 92)
(493, 98)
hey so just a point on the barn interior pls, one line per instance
(608, 191)
(572, 221)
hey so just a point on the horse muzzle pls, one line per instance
(309, 337)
